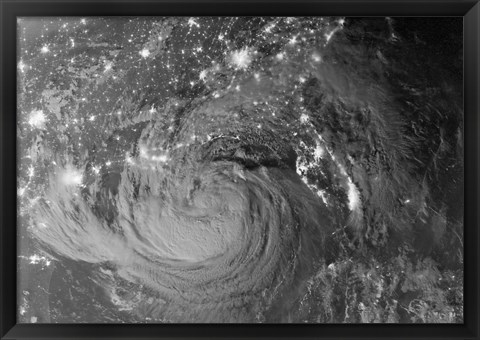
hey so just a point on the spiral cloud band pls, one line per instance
(219, 231)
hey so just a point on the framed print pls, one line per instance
(228, 169)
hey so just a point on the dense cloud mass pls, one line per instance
(240, 169)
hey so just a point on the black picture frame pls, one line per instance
(9, 10)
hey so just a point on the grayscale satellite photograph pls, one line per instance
(240, 170)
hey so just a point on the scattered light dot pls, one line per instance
(316, 58)
(192, 22)
(319, 152)
(37, 118)
(240, 59)
(21, 66)
(304, 118)
(108, 66)
(203, 75)
(20, 191)
(144, 53)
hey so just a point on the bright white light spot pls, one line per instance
(33, 319)
(203, 75)
(269, 28)
(144, 53)
(21, 66)
(36, 259)
(304, 118)
(240, 59)
(341, 21)
(108, 163)
(257, 76)
(406, 201)
(301, 79)
(45, 49)
(71, 176)
(160, 158)
(321, 194)
(91, 118)
(192, 22)
(220, 37)
(279, 56)
(96, 169)
(316, 58)
(20, 191)
(37, 118)
(83, 21)
(318, 152)
(129, 159)
(293, 40)
(329, 36)
(353, 196)
(108, 66)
